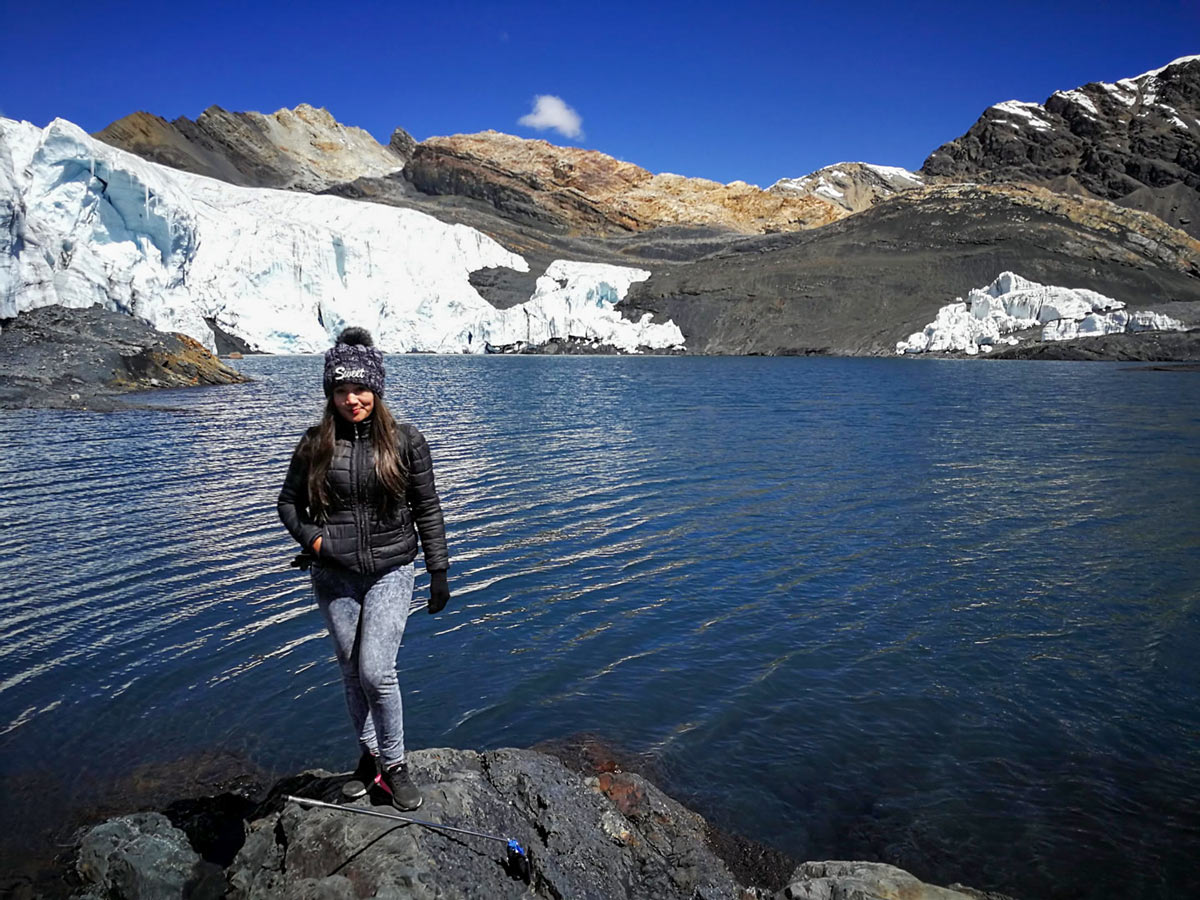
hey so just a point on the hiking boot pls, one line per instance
(399, 784)
(362, 778)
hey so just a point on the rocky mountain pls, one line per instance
(303, 149)
(853, 186)
(850, 259)
(560, 189)
(584, 191)
(860, 285)
(1135, 142)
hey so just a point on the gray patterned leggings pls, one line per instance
(366, 615)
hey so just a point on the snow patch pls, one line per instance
(832, 182)
(1027, 112)
(1010, 304)
(1079, 98)
(1153, 72)
(1125, 94)
(825, 189)
(897, 172)
(791, 185)
(1173, 115)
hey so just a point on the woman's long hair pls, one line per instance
(390, 472)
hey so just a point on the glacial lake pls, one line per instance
(941, 614)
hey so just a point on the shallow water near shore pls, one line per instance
(941, 614)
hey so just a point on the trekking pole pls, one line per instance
(516, 857)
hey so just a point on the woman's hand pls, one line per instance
(316, 548)
(439, 592)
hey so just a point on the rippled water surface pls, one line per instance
(940, 614)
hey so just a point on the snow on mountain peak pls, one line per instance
(282, 270)
(852, 185)
(896, 172)
(1155, 72)
(1141, 89)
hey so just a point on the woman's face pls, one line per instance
(354, 402)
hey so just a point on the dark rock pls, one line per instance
(608, 835)
(1121, 142)
(403, 144)
(213, 825)
(839, 880)
(227, 344)
(580, 842)
(1146, 346)
(572, 345)
(139, 856)
(749, 862)
(505, 288)
(56, 357)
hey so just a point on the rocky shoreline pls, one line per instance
(606, 834)
(55, 357)
(1148, 346)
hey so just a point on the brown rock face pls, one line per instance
(583, 191)
(302, 149)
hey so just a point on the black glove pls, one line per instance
(303, 561)
(439, 592)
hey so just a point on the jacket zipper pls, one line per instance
(362, 548)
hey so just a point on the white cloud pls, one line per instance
(551, 112)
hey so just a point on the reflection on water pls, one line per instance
(939, 614)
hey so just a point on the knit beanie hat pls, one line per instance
(354, 359)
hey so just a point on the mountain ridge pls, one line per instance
(854, 287)
(304, 148)
(847, 260)
(1135, 141)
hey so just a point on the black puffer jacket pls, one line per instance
(353, 534)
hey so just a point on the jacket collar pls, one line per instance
(352, 431)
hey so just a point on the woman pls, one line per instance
(358, 491)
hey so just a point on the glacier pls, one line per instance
(992, 315)
(83, 223)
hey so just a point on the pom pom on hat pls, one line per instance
(354, 359)
(356, 337)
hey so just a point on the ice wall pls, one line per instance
(577, 299)
(83, 223)
(993, 315)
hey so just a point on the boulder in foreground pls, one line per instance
(55, 357)
(614, 835)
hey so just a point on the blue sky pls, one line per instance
(749, 90)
